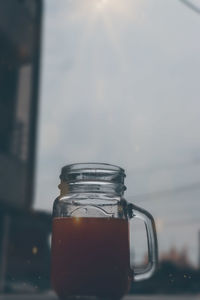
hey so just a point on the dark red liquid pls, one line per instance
(90, 256)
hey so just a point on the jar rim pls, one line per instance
(91, 165)
(95, 168)
(94, 176)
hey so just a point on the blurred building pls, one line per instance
(24, 245)
(179, 258)
(20, 31)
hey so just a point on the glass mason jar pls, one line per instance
(90, 237)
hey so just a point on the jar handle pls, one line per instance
(147, 271)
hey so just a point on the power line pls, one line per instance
(167, 192)
(172, 166)
(191, 6)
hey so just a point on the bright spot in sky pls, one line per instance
(101, 4)
(102, 18)
(113, 8)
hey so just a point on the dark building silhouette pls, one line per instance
(24, 244)
(20, 30)
(178, 258)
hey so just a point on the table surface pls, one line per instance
(51, 296)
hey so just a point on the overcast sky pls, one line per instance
(121, 84)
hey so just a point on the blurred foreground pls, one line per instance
(53, 297)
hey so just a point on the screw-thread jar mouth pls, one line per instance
(92, 177)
